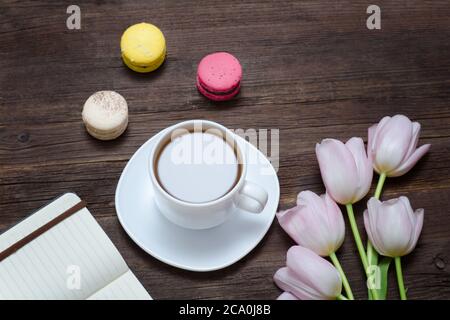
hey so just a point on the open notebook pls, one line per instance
(60, 252)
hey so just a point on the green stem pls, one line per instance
(380, 184)
(341, 297)
(372, 260)
(401, 286)
(359, 245)
(372, 255)
(345, 283)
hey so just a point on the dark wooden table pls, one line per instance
(311, 69)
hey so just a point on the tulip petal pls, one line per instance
(310, 199)
(314, 271)
(363, 165)
(336, 222)
(394, 228)
(419, 214)
(315, 223)
(414, 140)
(406, 204)
(287, 296)
(392, 143)
(370, 138)
(368, 228)
(372, 205)
(287, 221)
(370, 223)
(408, 209)
(373, 138)
(338, 170)
(288, 281)
(370, 143)
(307, 228)
(312, 217)
(410, 162)
(316, 208)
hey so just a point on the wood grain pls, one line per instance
(311, 69)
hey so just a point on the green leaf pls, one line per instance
(384, 268)
(372, 258)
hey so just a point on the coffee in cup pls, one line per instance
(198, 167)
(198, 171)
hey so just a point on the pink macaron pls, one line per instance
(219, 76)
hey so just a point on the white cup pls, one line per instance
(244, 194)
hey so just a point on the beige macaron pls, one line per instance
(105, 115)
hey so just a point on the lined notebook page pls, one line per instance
(126, 287)
(49, 267)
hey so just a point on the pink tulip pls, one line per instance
(346, 170)
(287, 296)
(308, 276)
(392, 226)
(315, 223)
(392, 145)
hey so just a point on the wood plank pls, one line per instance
(311, 70)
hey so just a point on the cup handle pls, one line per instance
(252, 198)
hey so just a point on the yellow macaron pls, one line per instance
(143, 47)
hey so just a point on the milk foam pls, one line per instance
(197, 167)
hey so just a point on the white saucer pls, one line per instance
(195, 250)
